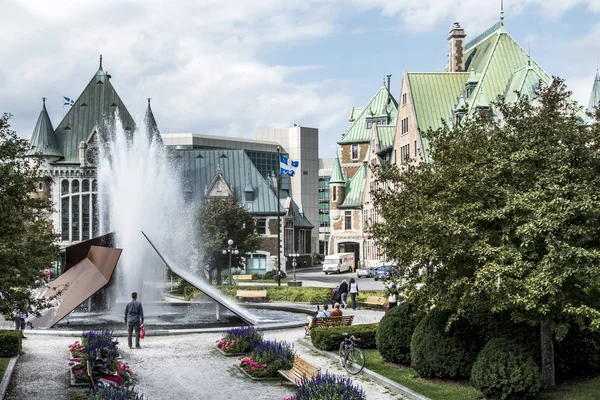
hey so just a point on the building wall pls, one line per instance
(411, 139)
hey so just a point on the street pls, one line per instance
(315, 276)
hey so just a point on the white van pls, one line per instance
(340, 262)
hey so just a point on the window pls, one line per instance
(256, 263)
(75, 186)
(404, 126)
(261, 226)
(64, 187)
(334, 194)
(355, 152)
(289, 238)
(404, 99)
(405, 153)
(85, 185)
(347, 220)
(415, 149)
(40, 186)
(369, 124)
(64, 217)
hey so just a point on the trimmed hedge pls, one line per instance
(506, 370)
(329, 338)
(435, 353)
(395, 332)
(286, 293)
(10, 343)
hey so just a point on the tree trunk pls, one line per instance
(548, 379)
(219, 278)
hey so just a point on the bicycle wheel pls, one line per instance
(342, 354)
(355, 361)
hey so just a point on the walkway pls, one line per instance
(173, 367)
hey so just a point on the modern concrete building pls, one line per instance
(325, 169)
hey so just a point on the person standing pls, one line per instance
(353, 292)
(344, 291)
(134, 317)
(20, 321)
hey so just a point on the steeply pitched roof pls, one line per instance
(355, 189)
(98, 103)
(199, 167)
(525, 82)
(300, 220)
(151, 126)
(377, 106)
(386, 136)
(43, 140)
(336, 172)
(595, 95)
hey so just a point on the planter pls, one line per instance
(78, 384)
(275, 378)
(72, 358)
(230, 354)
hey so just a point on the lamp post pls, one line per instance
(278, 219)
(230, 251)
(294, 263)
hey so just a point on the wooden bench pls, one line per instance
(243, 277)
(300, 370)
(93, 384)
(374, 301)
(251, 294)
(345, 320)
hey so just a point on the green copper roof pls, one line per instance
(43, 140)
(300, 220)
(355, 189)
(98, 102)
(151, 126)
(524, 81)
(336, 173)
(377, 106)
(595, 96)
(386, 136)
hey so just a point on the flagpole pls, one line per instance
(278, 218)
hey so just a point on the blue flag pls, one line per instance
(286, 166)
(68, 101)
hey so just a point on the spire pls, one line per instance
(43, 139)
(336, 174)
(502, 12)
(100, 61)
(595, 95)
(151, 126)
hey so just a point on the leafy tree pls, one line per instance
(505, 218)
(218, 221)
(27, 243)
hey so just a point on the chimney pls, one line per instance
(456, 40)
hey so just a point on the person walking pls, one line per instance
(344, 291)
(134, 317)
(353, 292)
(20, 321)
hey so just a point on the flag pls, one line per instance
(287, 166)
(68, 101)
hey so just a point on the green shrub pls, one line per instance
(437, 353)
(506, 370)
(330, 337)
(271, 274)
(578, 354)
(300, 294)
(395, 332)
(10, 343)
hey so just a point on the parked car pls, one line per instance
(367, 272)
(383, 272)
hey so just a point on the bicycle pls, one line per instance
(351, 357)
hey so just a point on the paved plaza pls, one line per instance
(175, 367)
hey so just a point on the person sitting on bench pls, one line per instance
(323, 313)
(100, 369)
(336, 312)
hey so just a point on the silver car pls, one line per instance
(367, 272)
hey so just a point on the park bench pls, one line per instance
(93, 384)
(300, 370)
(374, 301)
(251, 294)
(313, 322)
(243, 277)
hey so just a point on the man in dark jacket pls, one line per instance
(134, 316)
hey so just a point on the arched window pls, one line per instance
(75, 186)
(94, 186)
(64, 187)
(85, 185)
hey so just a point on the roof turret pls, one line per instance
(151, 126)
(336, 174)
(43, 139)
(595, 95)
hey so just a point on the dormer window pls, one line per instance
(355, 152)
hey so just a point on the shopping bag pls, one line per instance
(142, 331)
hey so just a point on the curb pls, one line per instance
(7, 376)
(395, 386)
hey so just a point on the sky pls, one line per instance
(227, 67)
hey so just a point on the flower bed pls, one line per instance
(325, 386)
(78, 373)
(117, 393)
(267, 358)
(239, 341)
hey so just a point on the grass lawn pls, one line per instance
(3, 365)
(434, 389)
(581, 390)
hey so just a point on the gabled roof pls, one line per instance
(525, 82)
(355, 189)
(199, 167)
(336, 173)
(151, 126)
(300, 220)
(382, 104)
(595, 95)
(98, 103)
(219, 187)
(43, 140)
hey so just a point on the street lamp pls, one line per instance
(294, 263)
(230, 251)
